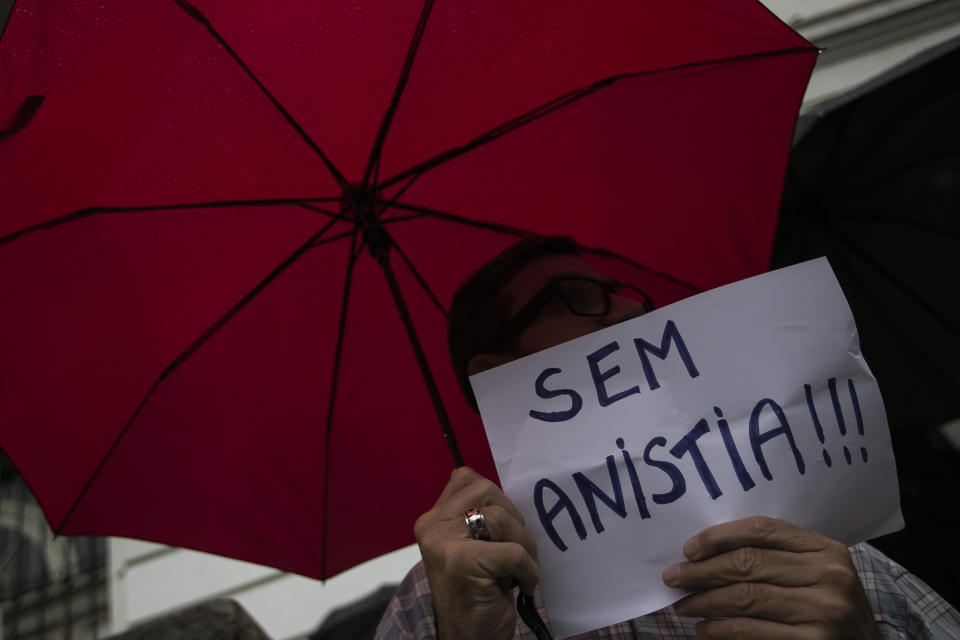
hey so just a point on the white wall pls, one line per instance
(831, 79)
(148, 580)
(863, 39)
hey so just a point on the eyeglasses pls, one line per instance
(582, 296)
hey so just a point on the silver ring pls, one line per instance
(476, 524)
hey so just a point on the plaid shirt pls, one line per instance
(903, 606)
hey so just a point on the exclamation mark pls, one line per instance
(816, 422)
(832, 384)
(856, 413)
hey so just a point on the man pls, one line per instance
(752, 578)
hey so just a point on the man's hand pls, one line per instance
(472, 580)
(765, 578)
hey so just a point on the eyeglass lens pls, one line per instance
(584, 297)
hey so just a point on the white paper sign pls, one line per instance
(749, 399)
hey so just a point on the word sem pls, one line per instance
(671, 336)
(766, 425)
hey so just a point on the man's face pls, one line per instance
(556, 323)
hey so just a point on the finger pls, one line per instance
(479, 493)
(752, 629)
(510, 561)
(756, 531)
(501, 526)
(756, 600)
(459, 478)
(746, 564)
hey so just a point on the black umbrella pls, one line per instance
(874, 184)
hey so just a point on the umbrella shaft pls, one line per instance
(384, 260)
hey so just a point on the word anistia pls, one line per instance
(613, 499)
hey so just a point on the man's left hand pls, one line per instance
(765, 578)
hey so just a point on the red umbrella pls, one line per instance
(198, 347)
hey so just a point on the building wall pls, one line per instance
(148, 580)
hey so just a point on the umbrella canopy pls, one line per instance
(201, 201)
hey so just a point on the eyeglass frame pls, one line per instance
(553, 288)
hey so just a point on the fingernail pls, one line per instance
(671, 575)
(691, 548)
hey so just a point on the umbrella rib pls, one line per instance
(346, 234)
(867, 216)
(374, 160)
(185, 354)
(566, 99)
(915, 347)
(382, 256)
(24, 115)
(633, 263)
(514, 231)
(442, 215)
(891, 130)
(338, 216)
(870, 184)
(415, 216)
(400, 192)
(419, 277)
(896, 281)
(360, 247)
(92, 211)
(339, 236)
(828, 167)
(194, 13)
(498, 131)
(334, 382)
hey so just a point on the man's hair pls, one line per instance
(479, 309)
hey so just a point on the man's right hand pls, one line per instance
(472, 580)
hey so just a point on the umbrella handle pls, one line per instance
(528, 613)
